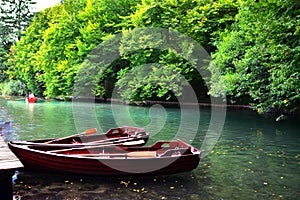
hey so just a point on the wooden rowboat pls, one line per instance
(31, 99)
(164, 157)
(114, 136)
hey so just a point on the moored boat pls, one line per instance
(163, 157)
(130, 135)
(31, 99)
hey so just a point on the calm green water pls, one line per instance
(254, 158)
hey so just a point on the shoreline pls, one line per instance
(166, 104)
(147, 103)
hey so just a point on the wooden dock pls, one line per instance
(8, 164)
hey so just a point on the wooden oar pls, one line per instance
(14, 99)
(95, 143)
(90, 131)
(23, 98)
(135, 154)
(110, 141)
(47, 143)
(129, 143)
(44, 100)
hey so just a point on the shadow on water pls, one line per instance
(31, 185)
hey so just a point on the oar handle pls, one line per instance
(90, 131)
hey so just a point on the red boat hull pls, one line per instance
(71, 164)
(31, 99)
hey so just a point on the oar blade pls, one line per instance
(91, 131)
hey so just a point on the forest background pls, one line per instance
(254, 47)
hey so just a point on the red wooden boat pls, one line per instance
(31, 99)
(164, 157)
(130, 135)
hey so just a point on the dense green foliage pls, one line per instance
(259, 58)
(59, 39)
(14, 87)
(255, 48)
(173, 66)
(15, 17)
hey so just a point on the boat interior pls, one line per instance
(159, 149)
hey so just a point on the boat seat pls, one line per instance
(175, 152)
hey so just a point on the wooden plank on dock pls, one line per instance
(8, 160)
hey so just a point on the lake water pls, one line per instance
(254, 157)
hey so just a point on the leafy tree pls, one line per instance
(3, 68)
(259, 59)
(15, 16)
(52, 49)
(49, 54)
(23, 60)
(179, 15)
(208, 19)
